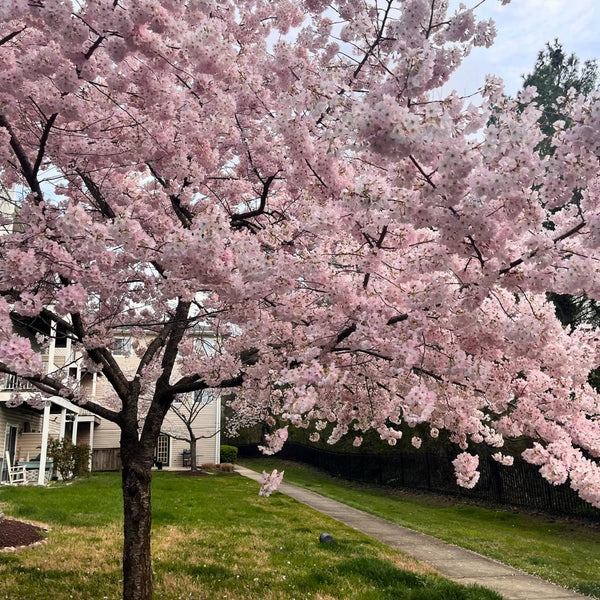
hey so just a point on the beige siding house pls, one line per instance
(25, 429)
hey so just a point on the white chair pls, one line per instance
(16, 474)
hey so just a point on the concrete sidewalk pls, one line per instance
(462, 566)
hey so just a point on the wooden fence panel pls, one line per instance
(106, 459)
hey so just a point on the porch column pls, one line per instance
(217, 402)
(63, 421)
(75, 424)
(44, 448)
(91, 443)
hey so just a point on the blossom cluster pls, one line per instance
(465, 467)
(270, 482)
(367, 251)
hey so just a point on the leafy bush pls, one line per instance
(228, 454)
(70, 460)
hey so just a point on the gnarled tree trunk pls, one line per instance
(137, 508)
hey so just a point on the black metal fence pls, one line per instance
(518, 485)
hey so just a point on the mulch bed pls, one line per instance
(17, 533)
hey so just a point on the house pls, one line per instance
(26, 427)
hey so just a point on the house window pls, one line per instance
(161, 453)
(121, 346)
(61, 336)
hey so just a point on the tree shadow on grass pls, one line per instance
(388, 582)
(59, 584)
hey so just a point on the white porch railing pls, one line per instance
(14, 382)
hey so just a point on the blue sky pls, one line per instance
(524, 26)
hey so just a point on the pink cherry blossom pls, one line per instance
(367, 252)
(465, 467)
(270, 482)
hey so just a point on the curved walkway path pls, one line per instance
(458, 564)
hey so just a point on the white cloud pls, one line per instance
(524, 27)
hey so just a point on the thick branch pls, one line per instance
(477, 251)
(345, 333)
(10, 36)
(427, 178)
(26, 168)
(94, 190)
(184, 215)
(93, 47)
(421, 371)
(378, 245)
(194, 383)
(178, 328)
(155, 345)
(236, 217)
(111, 369)
(43, 142)
(50, 386)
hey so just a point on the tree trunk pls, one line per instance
(137, 509)
(193, 453)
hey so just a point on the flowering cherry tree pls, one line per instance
(368, 251)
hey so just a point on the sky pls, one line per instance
(524, 27)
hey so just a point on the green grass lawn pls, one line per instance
(558, 550)
(213, 538)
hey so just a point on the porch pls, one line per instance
(29, 428)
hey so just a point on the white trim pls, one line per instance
(89, 419)
(63, 424)
(64, 404)
(4, 449)
(218, 431)
(91, 444)
(52, 348)
(74, 431)
(44, 444)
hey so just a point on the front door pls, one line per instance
(10, 446)
(161, 451)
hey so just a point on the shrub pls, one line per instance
(228, 454)
(69, 460)
(226, 467)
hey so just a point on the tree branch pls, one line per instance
(103, 356)
(51, 387)
(26, 168)
(175, 335)
(43, 141)
(102, 205)
(376, 41)
(10, 36)
(235, 217)
(556, 240)
(427, 178)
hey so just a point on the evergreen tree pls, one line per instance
(555, 76)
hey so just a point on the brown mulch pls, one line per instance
(17, 533)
